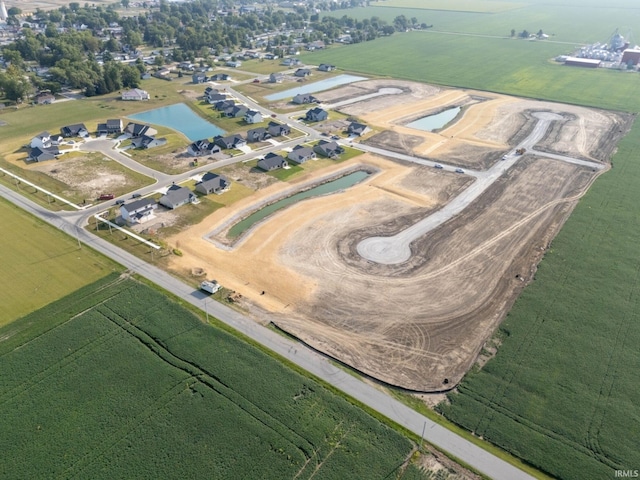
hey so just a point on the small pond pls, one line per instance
(181, 118)
(325, 84)
(329, 187)
(434, 122)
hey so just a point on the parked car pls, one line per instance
(437, 165)
(136, 195)
(106, 196)
(119, 202)
(459, 170)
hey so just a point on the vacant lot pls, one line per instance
(149, 391)
(40, 264)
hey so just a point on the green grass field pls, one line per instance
(117, 381)
(480, 6)
(40, 264)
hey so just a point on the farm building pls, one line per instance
(272, 161)
(630, 55)
(138, 211)
(212, 183)
(177, 196)
(582, 62)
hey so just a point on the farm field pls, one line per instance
(40, 264)
(561, 391)
(150, 391)
(513, 67)
(463, 5)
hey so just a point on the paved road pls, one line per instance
(295, 352)
(396, 248)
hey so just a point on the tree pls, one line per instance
(14, 11)
(74, 6)
(524, 34)
(15, 85)
(513, 32)
(125, 3)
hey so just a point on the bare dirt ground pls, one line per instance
(421, 324)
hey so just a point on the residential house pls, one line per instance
(232, 141)
(329, 149)
(45, 140)
(134, 130)
(302, 72)
(210, 91)
(253, 116)
(237, 111)
(163, 74)
(202, 147)
(199, 78)
(224, 105)
(270, 56)
(219, 77)
(272, 161)
(110, 127)
(148, 141)
(177, 196)
(44, 98)
(276, 129)
(76, 130)
(42, 154)
(316, 115)
(303, 98)
(234, 64)
(135, 94)
(356, 128)
(259, 134)
(212, 183)
(214, 98)
(276, 77)
(186, 66)
(138, 211)
(301, 154)
(325, 67)
(316, 45)
(291, 62)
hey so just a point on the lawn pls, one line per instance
(148, 390)
(40, 264)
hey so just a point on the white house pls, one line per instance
(135, 94)
(139, 211)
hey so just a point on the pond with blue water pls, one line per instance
(181, 118)
(328, 187)
(325, 84)
(435, 122)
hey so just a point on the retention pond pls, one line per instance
(323, 189)
(435, 122)
(181, 118)
(325, 84)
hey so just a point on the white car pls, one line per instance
(437, 165)
(459, 170)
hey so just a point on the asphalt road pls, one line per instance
(295, 352)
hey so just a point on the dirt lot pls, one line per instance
(421, 324)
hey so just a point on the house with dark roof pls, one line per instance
(329, 149)
(272, 161)
(237, 111)
(210, 90)
(43, 154)
(290, 62)
(148, 141)
(324, 67)
(303, 98)
(316, 115)
(214, 98)
(219, 77)
(302, 72)
(134, 130)
(301, 154)
(199, 78)
(202, 147)
(276, 129)
(253, 116)
(231, 141)
(212, 183)
(259, 134)
(76, 130)
(110, 127)
(224, 106)
(138, 211)
(356, 128)
(45, 140)
(276, 77)
(177, 196)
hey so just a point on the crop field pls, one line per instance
(561, 393)
(482, 6)
(40, 264)
(513, 67)
(150, 391)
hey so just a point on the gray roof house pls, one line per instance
(257, 134)
(356, 128)
(43, 154)
(276, 77)
(111, 126)
(276, 129)
(137, 130)
(253, 116)
(316, 115)
(147, 141)
(177, 196)
(214, 98)
(138, 211)
(224, 106)
(328, 149)
(301, 154)
(232, 141)
(302, 98)
(76, 130)
(219, 77)
(199, 78)
(324, 67)
(202, 147)
(272, 161)
(302, 72)
(237, 111)
(212, 183)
